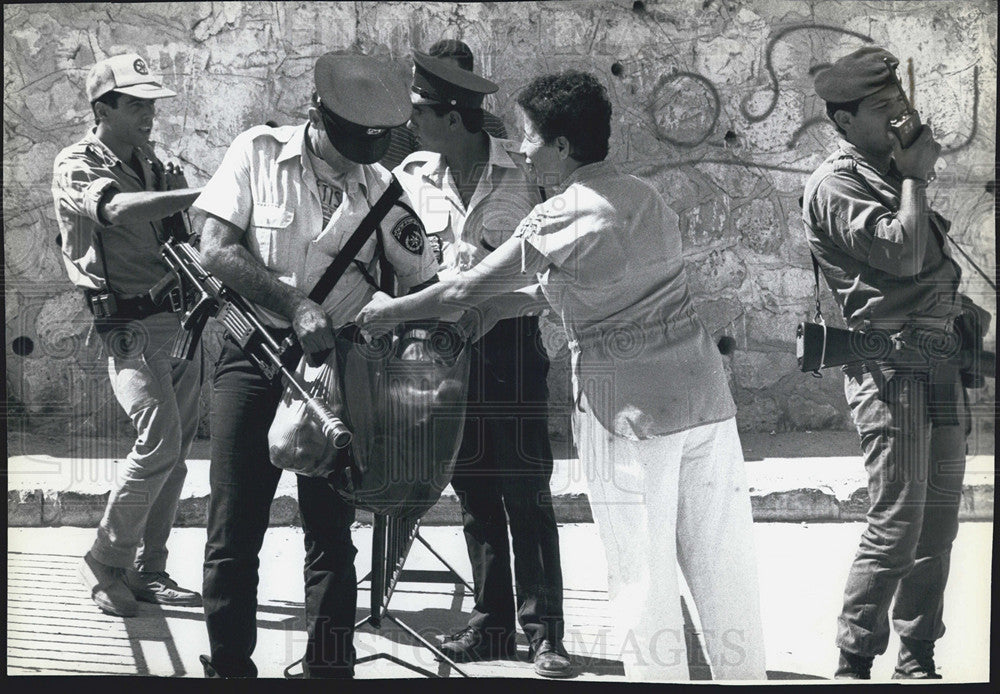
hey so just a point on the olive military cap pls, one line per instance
(856, 75)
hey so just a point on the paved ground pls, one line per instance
(53, 628)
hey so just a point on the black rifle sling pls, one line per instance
(819, 310)
(336, 269)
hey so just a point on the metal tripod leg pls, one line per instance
(391, 543)
(441, 559)
(424, 642)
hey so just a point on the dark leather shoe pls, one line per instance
(214, 671)
(107, 587)
(551, 659)
(916, 660)
(210, 671)
(472, 644)
(854, 667)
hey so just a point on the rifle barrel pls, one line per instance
(254, 337)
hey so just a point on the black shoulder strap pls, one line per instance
(99, 247)
(336, 269)
(819, 311)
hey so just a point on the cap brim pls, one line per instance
(421, 100)
(146, 91)
(361, 151)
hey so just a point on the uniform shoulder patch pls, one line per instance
(409, 233)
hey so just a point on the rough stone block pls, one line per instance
(192, 512)
(285, 511)
(977, 502)
(794, 505)
(572, 508)
(24, 508)
(76, 509)
(855, 507)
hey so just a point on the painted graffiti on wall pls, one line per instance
(712, 104)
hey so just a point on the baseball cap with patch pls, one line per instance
(128, 74)
(360, 99)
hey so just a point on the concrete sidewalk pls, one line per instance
(793, 477)
(53, 628)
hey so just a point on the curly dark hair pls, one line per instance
(574, 105)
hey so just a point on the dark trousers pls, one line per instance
(913, 427)
(502, 476)
(243, 483)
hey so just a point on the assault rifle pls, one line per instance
(204, 296)
(819, 346)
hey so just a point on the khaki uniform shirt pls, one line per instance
(849, 212)
(82, 175)
(403, 143)
(462, 236)
(616, 276)
(266, 186)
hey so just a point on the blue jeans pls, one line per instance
(243, 482)
(913, 427)
(160, 396)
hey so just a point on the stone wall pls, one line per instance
(712, 103)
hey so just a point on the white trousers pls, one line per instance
(677, 499)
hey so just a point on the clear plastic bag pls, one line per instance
(403, 398)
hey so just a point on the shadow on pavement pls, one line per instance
(294, 616)
(52, 626)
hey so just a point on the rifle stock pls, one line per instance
(821, 346)
(208, 297)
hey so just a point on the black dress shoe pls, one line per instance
(210, 671)
(854, 667)
(472, 644)
(551, 659)
(916, 660)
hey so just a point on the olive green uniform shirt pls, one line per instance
(849, 211)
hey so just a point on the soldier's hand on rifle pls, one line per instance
(313, 327)
(917, 160)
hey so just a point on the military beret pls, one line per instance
(441, 82)
(856, 75)
(360, 99)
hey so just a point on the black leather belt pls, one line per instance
(139, 307)
(124, 307)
